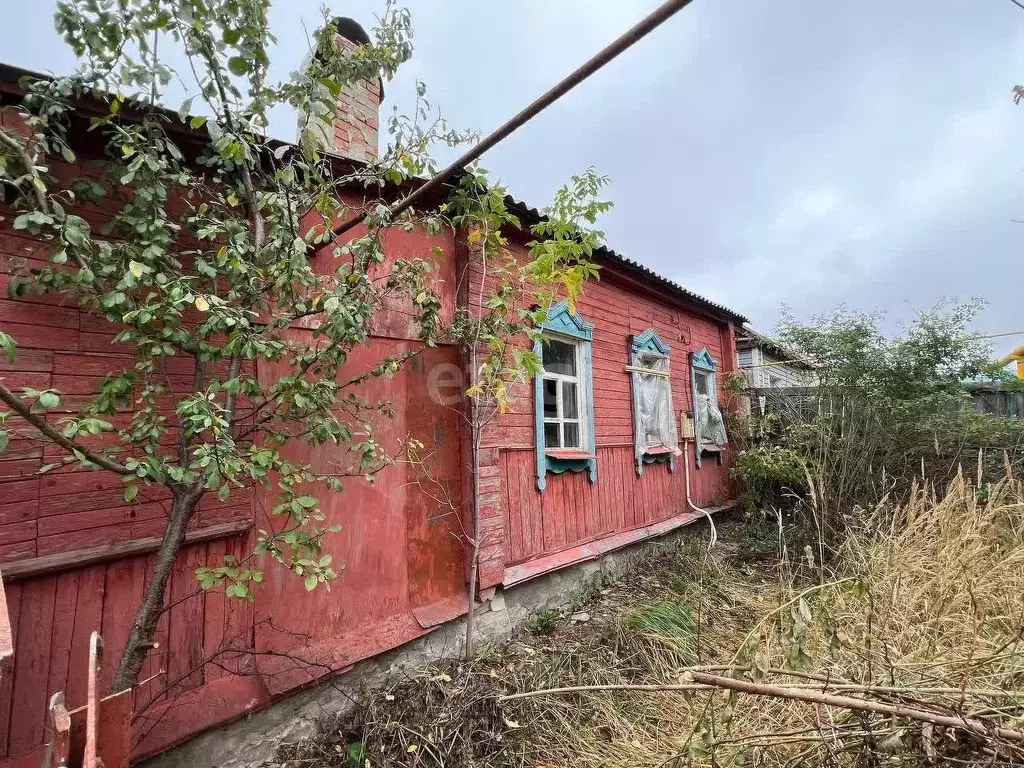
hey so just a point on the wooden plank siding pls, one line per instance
(402, 566)
(572, 511)
(396, 553)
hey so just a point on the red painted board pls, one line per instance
(125, 583)
(13, 598)
(185, 659)
(31, 664)
(88, 618)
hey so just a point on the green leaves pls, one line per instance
(237, 581)
(200, 262)
(49, 399)
(33, 222)
(239, 66)
(10, 348)
(558, 265)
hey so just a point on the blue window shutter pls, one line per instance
(565, 323)
(538, 410)
(588, 374)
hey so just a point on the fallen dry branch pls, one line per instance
(704, 681)
(973, 724)
(590, 688)
(848, 687)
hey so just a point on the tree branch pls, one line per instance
(40, 195)
(29, 163)
(40, 423)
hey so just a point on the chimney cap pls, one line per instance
(353, 31)
(350, 29)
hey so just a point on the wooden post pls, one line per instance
(58, 733)
(98, 735)
(92, 712)
(6, 636)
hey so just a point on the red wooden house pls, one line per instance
(591, 459)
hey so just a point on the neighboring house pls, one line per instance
(590, 459)
(766, 363)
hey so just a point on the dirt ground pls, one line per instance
(905, 649)
(449, 714)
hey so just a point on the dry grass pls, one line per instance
(928, 597)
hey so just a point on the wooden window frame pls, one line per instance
(581, 405)
(644, 346)
(702, 363)
(569, 327)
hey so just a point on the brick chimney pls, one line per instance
(355, 128)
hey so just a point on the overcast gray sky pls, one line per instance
(792, 152)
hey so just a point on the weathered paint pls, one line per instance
(404, 565)
(404, 569)
(396, 543)
(639, 344)
(570, 512)
(565, 323)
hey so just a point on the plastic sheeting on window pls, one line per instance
(655, 426)
(709, 426)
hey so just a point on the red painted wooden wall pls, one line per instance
(524, 524)
(404, 569)
(217, 658)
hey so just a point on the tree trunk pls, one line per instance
(474, 567)
(140, 639)
(474, 561)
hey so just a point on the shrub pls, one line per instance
(769, 472)
(889, 410)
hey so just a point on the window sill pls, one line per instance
(712, 448)
(568, 454)
(659, 450)
(557, 461)
(656, 454)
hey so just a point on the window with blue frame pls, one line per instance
(655, 437)
(708, 423)
(564, 397)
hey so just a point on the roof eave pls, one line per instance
(10, 87)
(524, 211)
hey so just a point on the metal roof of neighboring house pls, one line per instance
(10, 75)
(748, 337)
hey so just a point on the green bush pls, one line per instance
(889, 411)
(768, 472)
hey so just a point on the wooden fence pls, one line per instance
(994, 398)
(796, 404)
(792, 404)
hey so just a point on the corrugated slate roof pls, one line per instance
(10, 75)
(645, 272)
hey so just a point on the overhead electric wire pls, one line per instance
(633, 35)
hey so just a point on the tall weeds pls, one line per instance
(922, 607)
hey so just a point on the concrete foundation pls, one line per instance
(255, 739)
